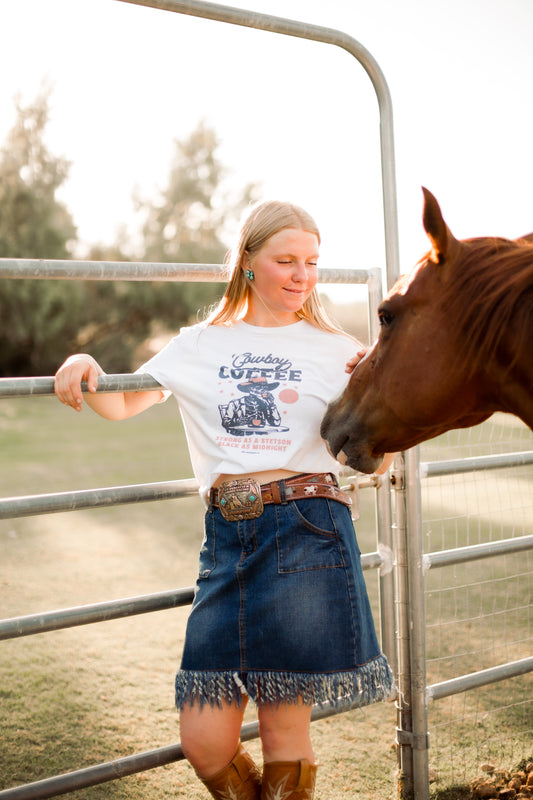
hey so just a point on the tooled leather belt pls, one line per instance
(254, 496)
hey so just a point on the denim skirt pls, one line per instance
(281, 612)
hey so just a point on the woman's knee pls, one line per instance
(285, 732)
(210, 736)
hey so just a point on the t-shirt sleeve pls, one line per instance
(166, 366)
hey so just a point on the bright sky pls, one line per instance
(299, 117)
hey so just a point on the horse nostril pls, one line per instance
(336, 448)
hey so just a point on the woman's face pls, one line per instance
(285, 274)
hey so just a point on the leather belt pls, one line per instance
(305, 486)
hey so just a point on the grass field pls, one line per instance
(81, 696)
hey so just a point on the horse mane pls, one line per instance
(486, 291)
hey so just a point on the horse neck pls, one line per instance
(511, 375)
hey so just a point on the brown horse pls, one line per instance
(455, 345)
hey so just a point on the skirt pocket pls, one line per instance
(307, 536)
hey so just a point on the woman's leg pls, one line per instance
(285, 732)
(211, 742)
(210, 736)
(289, 769)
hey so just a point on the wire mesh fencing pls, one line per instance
(479, 612)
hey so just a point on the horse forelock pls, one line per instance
(490, 283)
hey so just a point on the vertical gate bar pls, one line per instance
(403, 703)
(417, 625)
(386, 573)
(383, 507)
(412, 735)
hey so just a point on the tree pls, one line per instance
(185, 224)
(44, 321)
(38, 317)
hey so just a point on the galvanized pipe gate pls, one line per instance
(401, 588)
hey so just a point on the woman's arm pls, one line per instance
(115, 405)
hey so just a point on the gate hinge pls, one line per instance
(418, 741)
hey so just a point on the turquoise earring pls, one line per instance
(250, 274)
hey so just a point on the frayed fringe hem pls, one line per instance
(360, 687)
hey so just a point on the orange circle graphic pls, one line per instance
(288, 396)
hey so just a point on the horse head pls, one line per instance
(437, 362)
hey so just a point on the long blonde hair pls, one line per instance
(262, 222)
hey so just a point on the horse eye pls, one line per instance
(385, 317)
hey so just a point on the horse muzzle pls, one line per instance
(346, 443)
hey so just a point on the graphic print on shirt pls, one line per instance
(256, 377)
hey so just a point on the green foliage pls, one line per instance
(33, 223)
(38, 317)
(39, 325)
(44, 321)
(184, 224)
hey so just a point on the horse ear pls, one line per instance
(438, 232)
(528, 238)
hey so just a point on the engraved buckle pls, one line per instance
(240, 499)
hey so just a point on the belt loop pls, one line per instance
(282, 492)
(275, 492)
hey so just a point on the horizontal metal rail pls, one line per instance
(97, 612)
(44, 386)
(476, 679)
(60, 619)
(433, 469)
(131, 765)
(57, 502)
(32, 505)
(58, 269)
(474, 552)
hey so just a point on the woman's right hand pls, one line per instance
(69, 376)
(354, 360)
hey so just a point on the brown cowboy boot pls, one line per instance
(288, 780)
(240, 780)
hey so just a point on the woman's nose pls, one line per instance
(299, 273)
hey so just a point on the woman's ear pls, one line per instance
(246, 266)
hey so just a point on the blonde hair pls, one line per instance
(262, 222)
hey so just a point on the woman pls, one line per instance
(281, 613)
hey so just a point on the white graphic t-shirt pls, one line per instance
(253, 398)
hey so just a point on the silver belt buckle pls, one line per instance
(240, 499)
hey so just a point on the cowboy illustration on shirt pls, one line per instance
(256, 412)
